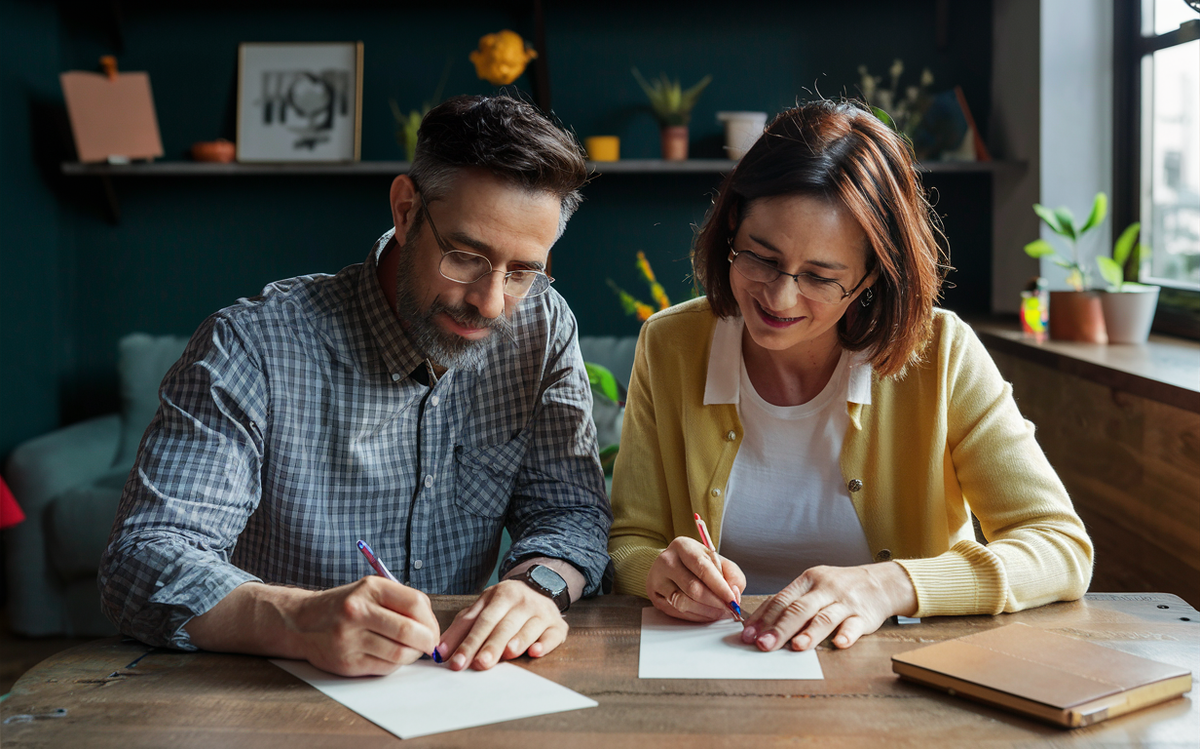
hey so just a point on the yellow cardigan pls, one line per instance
(945, 434)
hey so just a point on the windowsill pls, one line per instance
(1165, 369)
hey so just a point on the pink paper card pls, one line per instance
(111, 118)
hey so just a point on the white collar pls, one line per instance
(725, 366)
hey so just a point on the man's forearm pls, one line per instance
(253, 618)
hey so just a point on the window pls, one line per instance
(1159, 95)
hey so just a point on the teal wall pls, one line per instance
(75, 283)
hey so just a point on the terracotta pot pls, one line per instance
(221, 151)
(1128, 314)
(1077, 316)
(675, 143)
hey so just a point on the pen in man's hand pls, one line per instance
(712, 550)
(383, 571)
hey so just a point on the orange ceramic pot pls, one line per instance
(675, 143)
(1077, 316)
(214, 150)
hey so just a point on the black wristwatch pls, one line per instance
(549, 583)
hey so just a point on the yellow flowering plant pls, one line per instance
(502, 57)
(634, 306)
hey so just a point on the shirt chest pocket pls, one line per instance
(484, 476)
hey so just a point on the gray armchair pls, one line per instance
(69, 482)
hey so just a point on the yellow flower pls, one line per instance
(501, 57)
(644, 266)
(644, 311)
(660, 296)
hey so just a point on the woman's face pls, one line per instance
(798, 234)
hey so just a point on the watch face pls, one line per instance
(547, 578)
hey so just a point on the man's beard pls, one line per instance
(440, 346)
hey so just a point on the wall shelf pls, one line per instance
(625, 166)
(391, 168)
(202, 169)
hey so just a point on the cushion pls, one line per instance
(78, 525)
(142, 360)
(613, 352)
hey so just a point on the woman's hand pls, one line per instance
(685, 582)
(852, 600)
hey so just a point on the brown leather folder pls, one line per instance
(1052, 677)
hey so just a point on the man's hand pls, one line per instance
(369, 627)
(509, 619)
(686, 584)
(852, 600)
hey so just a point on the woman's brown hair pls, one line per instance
(840, 151)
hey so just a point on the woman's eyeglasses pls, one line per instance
(823, 290)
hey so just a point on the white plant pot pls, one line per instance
(1128, 314)
(741, 130)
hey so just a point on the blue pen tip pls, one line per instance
(436, 656)
(736, 609)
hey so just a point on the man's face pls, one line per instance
(451, 322)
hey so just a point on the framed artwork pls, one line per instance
(299, 101)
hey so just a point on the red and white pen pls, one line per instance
(383, 571)
(707, 541)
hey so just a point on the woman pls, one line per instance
(834, 430)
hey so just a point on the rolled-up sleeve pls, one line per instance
(193, 487)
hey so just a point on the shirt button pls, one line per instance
(428, 481)
(434, 400)
(884, 555)
(716, 492)
(418, 564)
(854, 485)
(731, 436)
(395, 377)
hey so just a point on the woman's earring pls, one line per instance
(867, 297)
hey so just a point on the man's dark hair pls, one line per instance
(507, 137)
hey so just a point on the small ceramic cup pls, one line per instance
(603, 147)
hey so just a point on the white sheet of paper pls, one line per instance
(675, 649)
(424, 698)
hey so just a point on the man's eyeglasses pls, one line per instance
(823, 290)
(461, 266)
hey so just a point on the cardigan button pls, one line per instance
(854, 485)
(884, 555)
(731, 436)
(716, 492)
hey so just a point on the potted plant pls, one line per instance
(672, 107)
(407, 125)
(1128, 306)
(1075, 315)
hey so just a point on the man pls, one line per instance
(421, 401)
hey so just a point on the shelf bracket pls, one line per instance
(110, 197)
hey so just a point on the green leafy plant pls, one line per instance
(407, 124)
(672, 105)
(608, 401)
(1062, 222)
(1126, 250)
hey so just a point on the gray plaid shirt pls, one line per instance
(291, 428)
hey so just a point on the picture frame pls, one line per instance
(299, 102)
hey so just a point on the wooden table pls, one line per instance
(123, 694)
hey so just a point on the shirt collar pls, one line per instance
(399, 354)
(723, 384)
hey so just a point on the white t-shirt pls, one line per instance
(786, 506)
